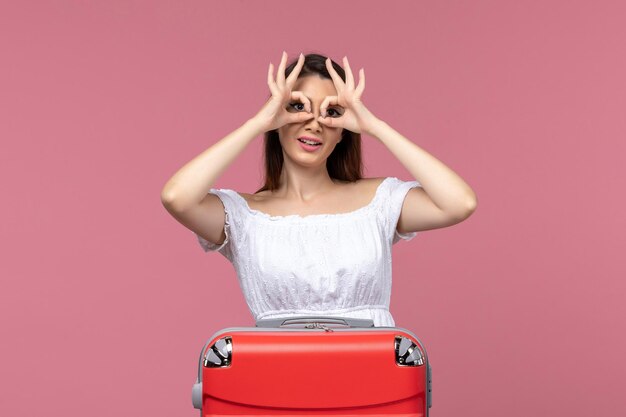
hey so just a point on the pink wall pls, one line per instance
(106, 300)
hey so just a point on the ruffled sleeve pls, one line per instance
(395, 194)
(232, 219)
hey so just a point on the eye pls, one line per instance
(333, 110)
(296, 103)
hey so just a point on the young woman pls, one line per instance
(316, 238)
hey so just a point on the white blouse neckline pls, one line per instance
(309, 217)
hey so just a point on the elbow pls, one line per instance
(470, 206)
(472, 203)
(465, 210)
(462, 210)
(175, 201)
(168, 199)
(166, 196)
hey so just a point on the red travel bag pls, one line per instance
(312, 365)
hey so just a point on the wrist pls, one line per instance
(375, 127)
(256, 126)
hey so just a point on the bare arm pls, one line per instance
(191, 183)
(189, 186)
(186, 195)
(444, 198)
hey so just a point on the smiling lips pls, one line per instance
(310, 141)
(310, 144)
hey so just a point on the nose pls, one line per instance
(313, 123)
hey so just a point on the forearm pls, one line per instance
(447, 190)
(190, 184)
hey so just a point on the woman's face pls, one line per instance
(316, 89)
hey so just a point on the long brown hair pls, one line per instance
(344, 163)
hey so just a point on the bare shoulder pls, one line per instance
(259, 199)
(260, 196)
(370, 184)
(373, 180)
(361, 191)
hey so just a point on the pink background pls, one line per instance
(106, 300)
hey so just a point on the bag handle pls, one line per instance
(306, 321)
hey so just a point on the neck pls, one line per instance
(304, 184)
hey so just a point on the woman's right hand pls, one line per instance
(274, 113)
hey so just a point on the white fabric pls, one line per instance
(321, 264)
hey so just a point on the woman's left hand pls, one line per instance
(356, 117)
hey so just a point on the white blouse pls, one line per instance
(320, 264)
